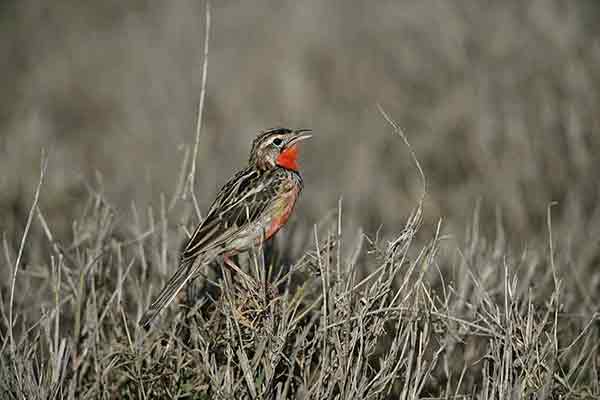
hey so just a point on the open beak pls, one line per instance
(299, 135)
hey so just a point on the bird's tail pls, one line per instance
(184, 273)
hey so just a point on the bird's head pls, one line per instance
(277, 147)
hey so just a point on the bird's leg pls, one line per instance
(229, 262)
(235, 268)
(225, 274)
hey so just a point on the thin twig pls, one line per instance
(192, 174)
(44, 163)
(400, 133)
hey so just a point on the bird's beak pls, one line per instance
(299, 135)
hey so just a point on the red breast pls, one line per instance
(279, 220)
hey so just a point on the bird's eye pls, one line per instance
(277, 141)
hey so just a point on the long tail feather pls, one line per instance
(184, 273)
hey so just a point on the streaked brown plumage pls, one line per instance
(250, 208)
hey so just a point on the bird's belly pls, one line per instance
(255, 234)
(282, 213)
(245, 239)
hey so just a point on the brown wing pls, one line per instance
(241, 201)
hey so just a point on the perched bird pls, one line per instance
(252, 206)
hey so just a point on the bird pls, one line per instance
(249, 209)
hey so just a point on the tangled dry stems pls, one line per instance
(375, 320)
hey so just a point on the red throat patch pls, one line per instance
(288, 158)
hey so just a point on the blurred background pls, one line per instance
(498, 99)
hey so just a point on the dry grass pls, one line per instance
(375, 319)
(485, 290)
